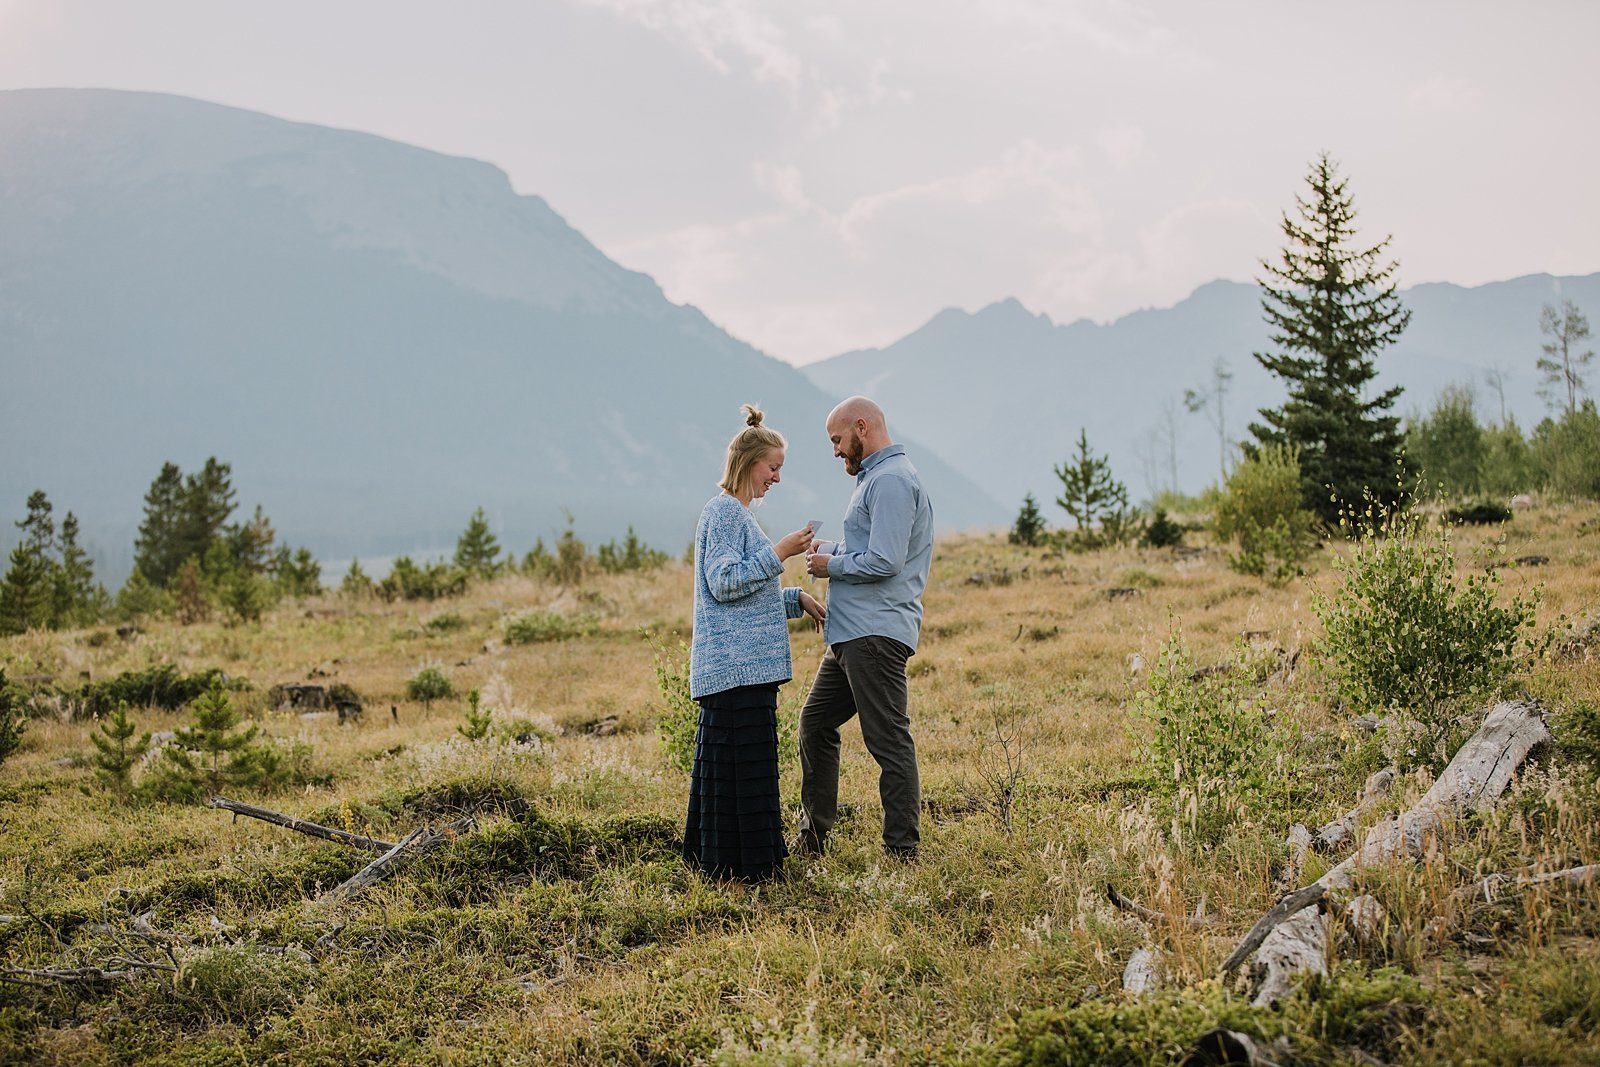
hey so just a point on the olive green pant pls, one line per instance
(865, 677)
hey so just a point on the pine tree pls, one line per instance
(477, 549)
(114, 757)
(1029, 527)
(210, 753)
(139, 598)
(1089, 490)
(77, 600)
(159, 550)
(1331, 309)
(208, 502)
(28, 591)
(1561, 366)
(13, 720)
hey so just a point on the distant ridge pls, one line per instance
(379, 338)
(1002, 392)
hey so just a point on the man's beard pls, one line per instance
(854, 455)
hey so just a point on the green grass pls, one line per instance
(569, 932)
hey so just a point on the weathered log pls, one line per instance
(1143, 972)
(416, 843)
(303, 826)
(1485, 891)
(1373, 793)
(1479, 773)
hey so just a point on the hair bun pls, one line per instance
(752, 414)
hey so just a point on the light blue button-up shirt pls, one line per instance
(878, 571)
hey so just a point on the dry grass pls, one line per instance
(1020, 698)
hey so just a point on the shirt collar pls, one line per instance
(878, 457)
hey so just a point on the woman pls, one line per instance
(738, 658)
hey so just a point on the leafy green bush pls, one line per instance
(1403, 637)
(446, 623)
(1261, 509)
(680, 714)
(1212, 752)
(1577, 731)
(428, 685)
(541, 626)
(631, 555)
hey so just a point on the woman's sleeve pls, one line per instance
(730, 573)
(791, 603)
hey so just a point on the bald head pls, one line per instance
(857, 429)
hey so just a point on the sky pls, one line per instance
(825, 175)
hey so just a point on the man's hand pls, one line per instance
(817, 564)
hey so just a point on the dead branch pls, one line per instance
(1481, 770)
(416, 843)
(1143, 972)
(1486, 891)
(303, 826)
(1152, 914)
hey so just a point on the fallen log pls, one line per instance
(1481, 770)
(1143, 972)
(416, 843)
(1373, 793)
(302, 826)
(1127, 904)
(1485, 892)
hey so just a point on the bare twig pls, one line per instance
(302, 826)
(1127, 904)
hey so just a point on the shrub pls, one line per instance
(446, 623)
(1403, 637)
(1261, 509)
(541, 626)
(161, 686)
(1161, 532)
(13, 719)
(1480, 513)
(432, 581)
(241, 984)
(631, 555)
(1212, 750)
(679, 717)
(428, 685)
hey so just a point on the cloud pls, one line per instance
(1438, 95)
(1121, 144)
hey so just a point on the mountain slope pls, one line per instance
(377, 337)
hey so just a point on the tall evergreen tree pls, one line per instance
(77, 600)
(477, 549)
(160, 550)
(27, 593)
(1332, 307)
(208, 502)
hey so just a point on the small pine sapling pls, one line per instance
(115, 757)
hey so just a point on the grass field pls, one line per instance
(572, 933)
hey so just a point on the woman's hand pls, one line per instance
(795, 543)
(811, 606)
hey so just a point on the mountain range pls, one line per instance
(381, 339)
(378, 338)
(1004, 393)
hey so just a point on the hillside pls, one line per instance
(378, 338)
(1002, 393)
(570, 931)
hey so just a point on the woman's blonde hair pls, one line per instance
(747, 446)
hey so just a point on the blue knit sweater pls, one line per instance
(741, 636)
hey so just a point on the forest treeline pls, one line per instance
(194, 560)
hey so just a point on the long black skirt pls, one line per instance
(735, 823)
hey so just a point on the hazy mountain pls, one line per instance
(378, 338)
(1003, 393)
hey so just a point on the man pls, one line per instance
(877, 572)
